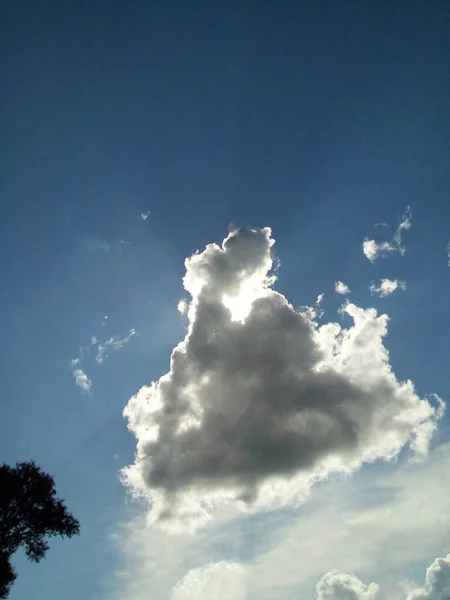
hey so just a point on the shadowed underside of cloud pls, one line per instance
(260, 401)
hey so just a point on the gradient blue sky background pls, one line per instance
(316, 119)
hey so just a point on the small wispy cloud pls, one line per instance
(145, 215)
(405, 224)
(96, 244)
(183, 306)
(103, 350)
(341, 288)
(387, 287)
(316, 311)
(448, 254)
(112, 345)
(82, 381)
(374, 250)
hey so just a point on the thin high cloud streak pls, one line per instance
(341, 288)
(94, 244)
(104, 349)
(374, 250)
(260, 401)
(341, 586)
(386, 287)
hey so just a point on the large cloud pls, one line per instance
(340, 586)
(260, 401)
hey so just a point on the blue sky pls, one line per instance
(318, 121)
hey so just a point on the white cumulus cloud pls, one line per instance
(341, 288)
(341, 586)
(260, 401)
(386, 287)
(145, 215)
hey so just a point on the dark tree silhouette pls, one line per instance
(30, 512)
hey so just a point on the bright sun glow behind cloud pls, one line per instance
(241, 303)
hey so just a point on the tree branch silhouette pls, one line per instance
(30, 513)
